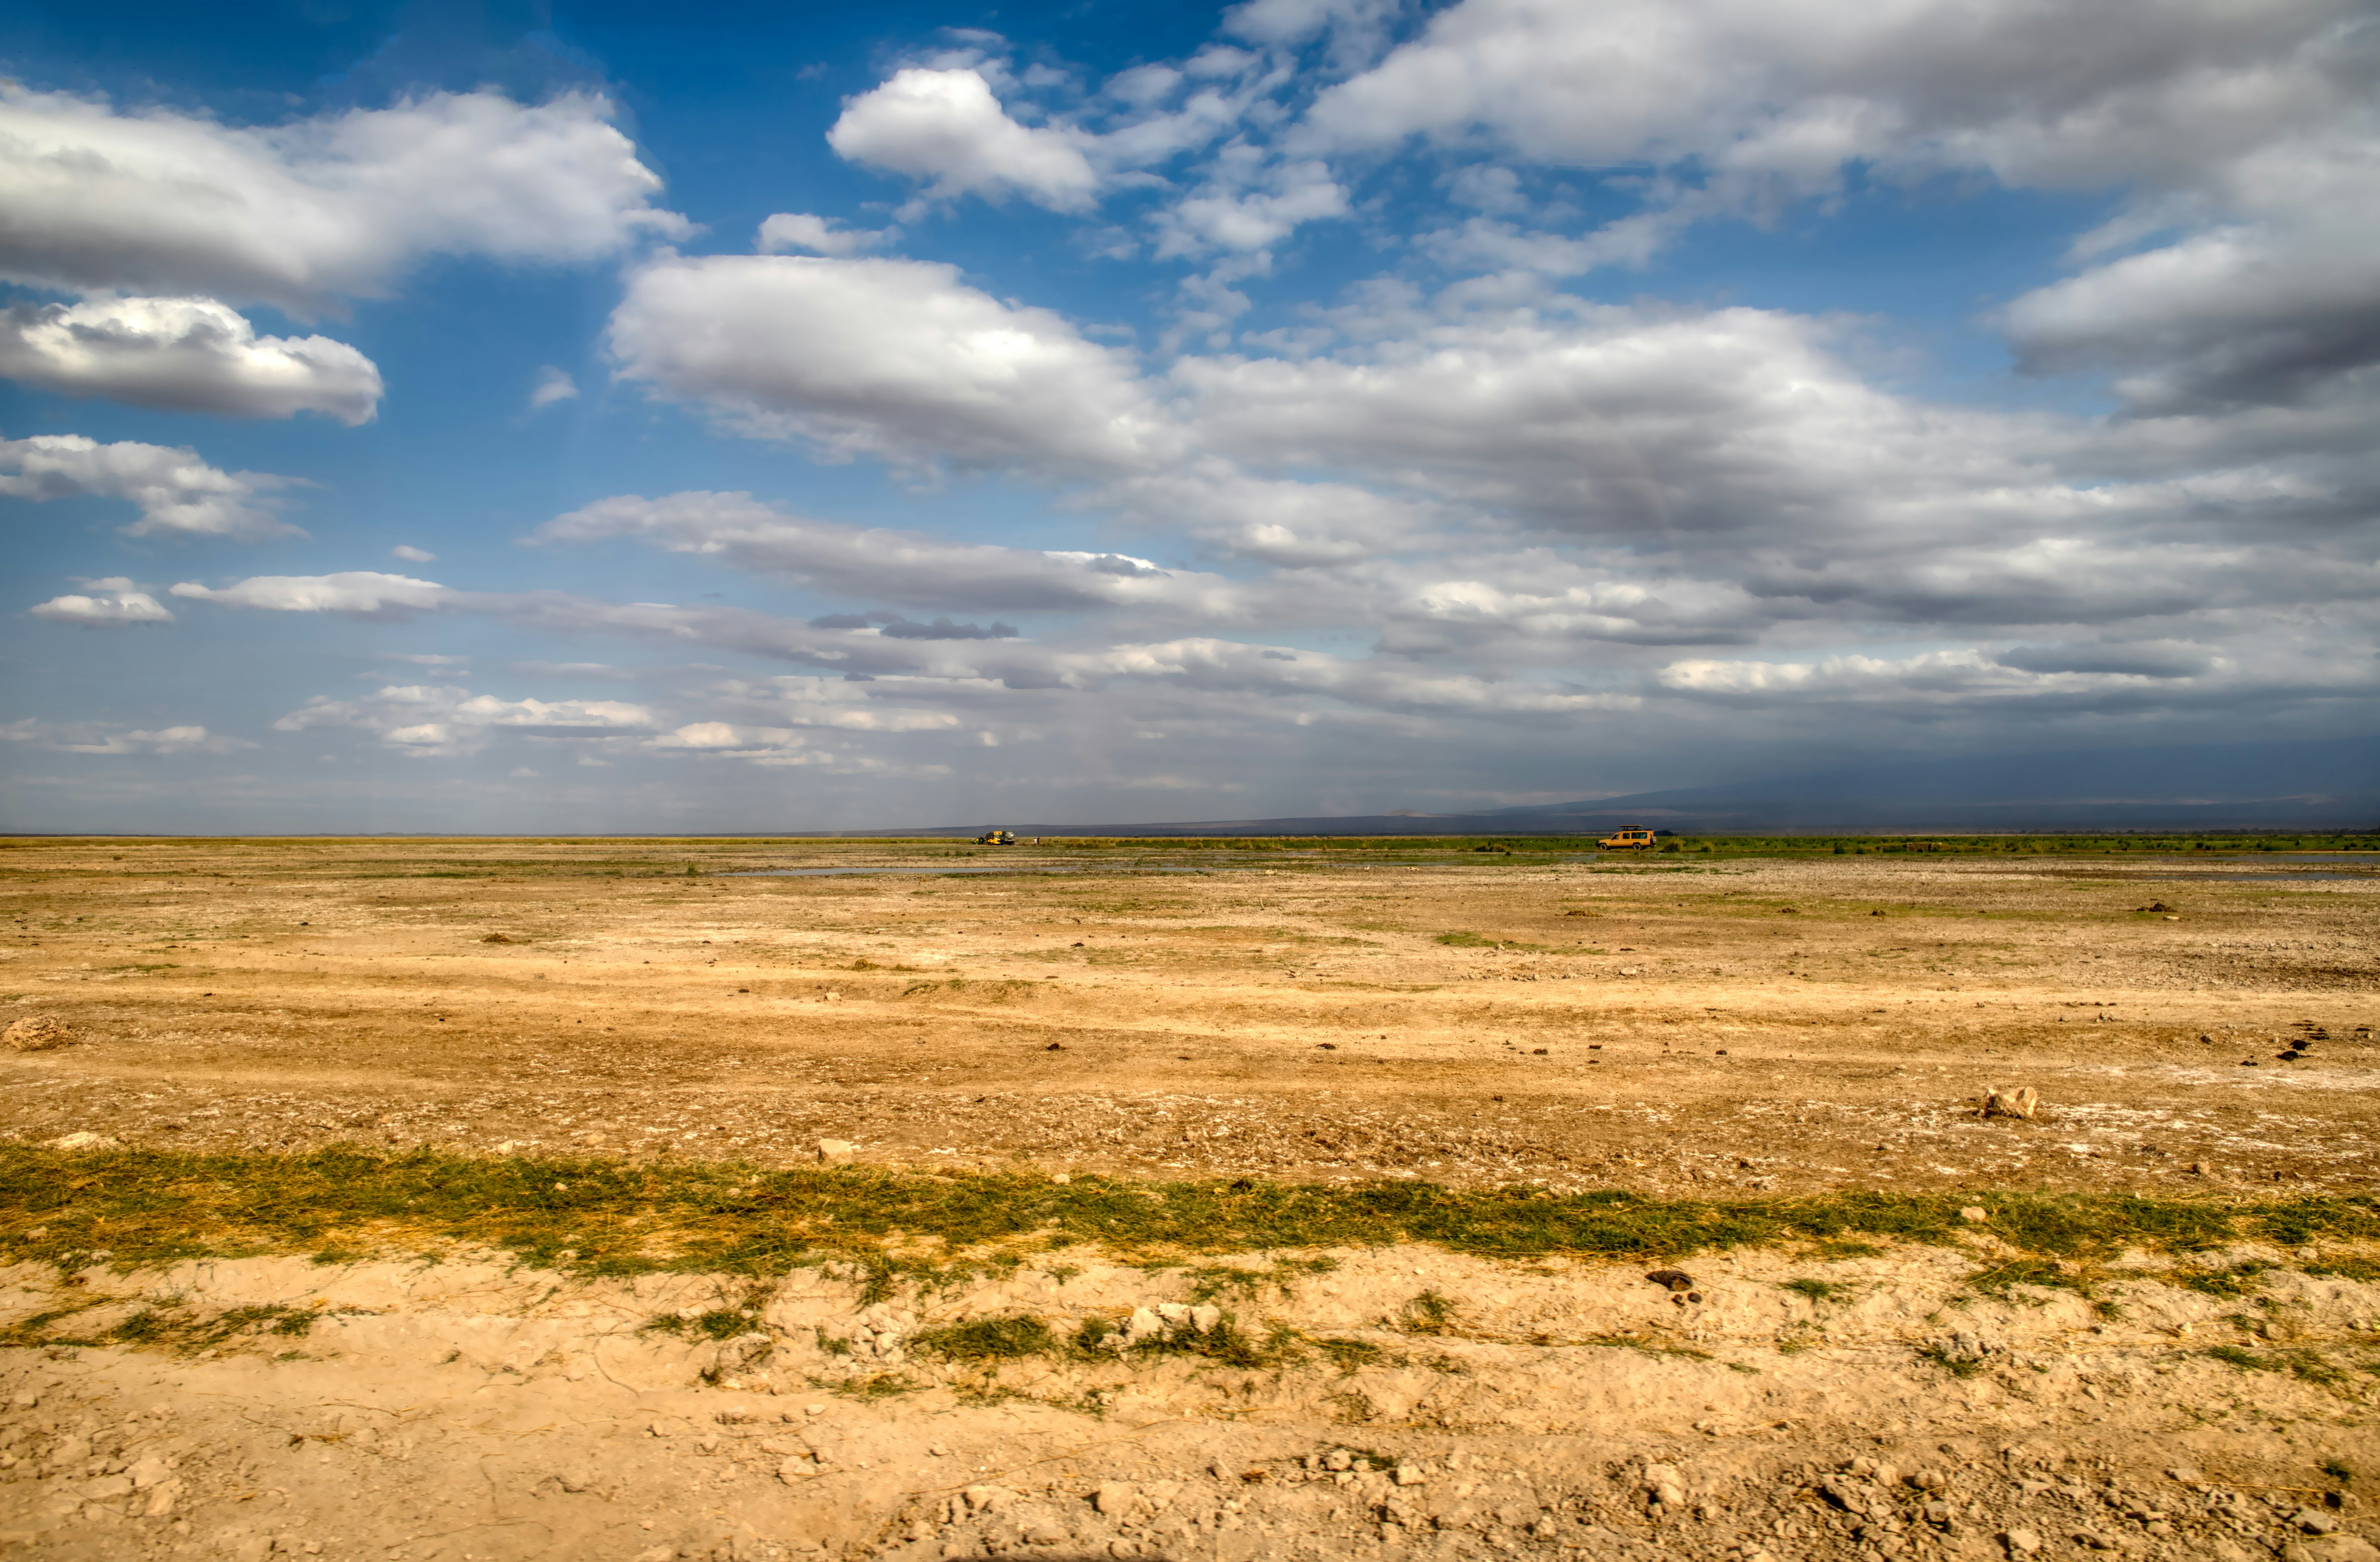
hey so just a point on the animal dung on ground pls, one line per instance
(2023, 1101)
(498, 938)
(39, 1032)
(1672, 1279)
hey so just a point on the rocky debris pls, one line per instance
(1664, 1486)
(2021, 1102)
(879, 1335)
(39, 1032)
(1164, 1323)
(1974, 1213)
(83, 1139)
(1672, 1279)
(836, 1152)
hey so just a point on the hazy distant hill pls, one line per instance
(2332, 784)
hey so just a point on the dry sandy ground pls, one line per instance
(1750, 1024)
(1668, 1027)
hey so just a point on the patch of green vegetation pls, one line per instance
(1211, 1281)
(2363, 1270)
(2245, 1359)
(1648, 1345)
(1428, 1314)
(1957, 1366)
(1819, 1290)
(2241, 1279)
(2339, 1470)
(1836, 1250)
(2001, 1280)
(1007, 1338)
(618, 1217)
(719, 1323)
(161, 1327)
(1349, 1355)
(1474, 941)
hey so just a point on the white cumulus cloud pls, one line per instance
(552, 384)
(94, 197)
(896, 359)
(428, 719)
(820, 236)
(946, 127)
(191, 355)
(362, 594)
(107, 603)
(177, 492)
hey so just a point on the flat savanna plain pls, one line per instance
(438, 1200)
(1667, 1025)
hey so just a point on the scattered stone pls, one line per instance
(1672, 1279)
(2339, 1547)
(2021, 1102)
(1409, 1475)
(2021, 1543)
(836, 1152)
(1114, 1498)
(39, 1032)
(1665, 1485)
(84, 1139)
(1974, 1212)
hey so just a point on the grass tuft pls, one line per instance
(1006, 1339)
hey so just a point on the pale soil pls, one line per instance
(251, 996)
(1304, 1023)
(468, 1409)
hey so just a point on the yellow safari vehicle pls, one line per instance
(1627, 840)
(996, 837)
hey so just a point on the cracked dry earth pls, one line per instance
(1714, 1028)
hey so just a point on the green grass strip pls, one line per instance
(614, 1217)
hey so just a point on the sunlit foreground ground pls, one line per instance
(465, 1199)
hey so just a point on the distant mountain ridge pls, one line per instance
(2323, 784)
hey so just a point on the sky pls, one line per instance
(724, 418)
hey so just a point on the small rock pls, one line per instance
(39, 1032)
(2021, 1100)
(1205, 1318)
(2021, 1543)
(1974, 1212)
(2341, 1547)
(1672, 1279)
(836, 1152)
(1409, 1475)
(152, 1470)
(83, 1140)
(1114, 1498)
(2313, 1521)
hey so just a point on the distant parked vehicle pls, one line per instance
(996, 837)
(1627, 840)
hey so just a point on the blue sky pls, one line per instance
(724, 418)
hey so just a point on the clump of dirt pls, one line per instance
(39, 1032)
